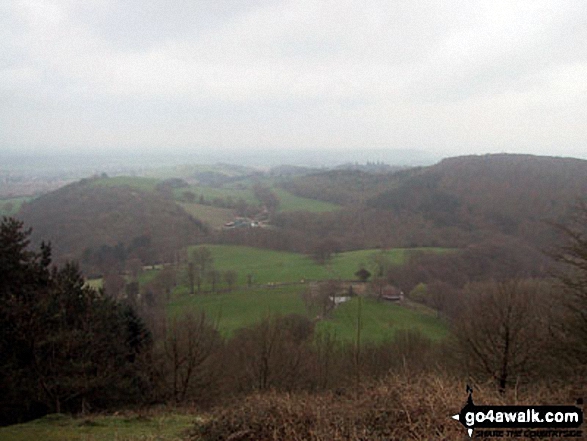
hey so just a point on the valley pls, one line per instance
(236, 281)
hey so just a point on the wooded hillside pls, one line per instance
(83, 218)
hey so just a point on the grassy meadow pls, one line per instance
(132, 427)
(290, 202)
(267, 266)
(216, 217)
(235, 191)
(278, 281)
(140, 183)
(277, 289)
(211, 193)
(287, 201)
(241, 308)
(11, 206)
(380, 321)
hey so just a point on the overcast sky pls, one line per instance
(448, 77)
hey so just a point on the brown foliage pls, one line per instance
(85, 216)
(502, 330)
(400, 407)
(186, 359)
(572, 277)
(271, 354)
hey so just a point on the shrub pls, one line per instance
(400, 407)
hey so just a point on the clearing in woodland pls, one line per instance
(280, 278)
(267, 266)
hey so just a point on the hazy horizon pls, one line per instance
(190, 78)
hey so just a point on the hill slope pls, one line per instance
(512, 194)
(82, 217)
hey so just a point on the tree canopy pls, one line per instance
(63, 345)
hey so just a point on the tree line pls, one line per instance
(65, 347)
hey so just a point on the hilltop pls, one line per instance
(456, 202)
(510, 194)
(84, 219)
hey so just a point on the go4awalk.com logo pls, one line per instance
(518, 421)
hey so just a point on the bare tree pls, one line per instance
(113, 285)
(166, 280)
(377, 286)
(501, 329)
(319, 298)
(380, 263)
(272, 353)
(230, 277)
(189, 346)
(572, 254)
(134, 266)
(323, 250)
(326, 349)
(437, 295)
(202, 262)
(214, 277)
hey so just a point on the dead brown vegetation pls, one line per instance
(400, 407)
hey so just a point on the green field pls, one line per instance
(95, 283)
(380, 321)
(10, 206)
(287, 201)
(188, 171)
(159, 427)
(140, 183)
(235, 310)
(290, 202)
(270, 269)
(214, 216)
(280, 278)
(235, 191)
(144, 277)
(267, 266)
(211, 193)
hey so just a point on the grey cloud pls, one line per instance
(136, 24)
(445, 75)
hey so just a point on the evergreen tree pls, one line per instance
(63, 345)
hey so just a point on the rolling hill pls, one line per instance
(455, 202)
(83, 216)
(516, 195)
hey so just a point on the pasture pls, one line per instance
(380, 321)
(280, 278)
(278, 281)
(267, 266)
(153, 426)
(231, 193)
(231, 311)
(11, 206)
(140, 183)
(287, 201)
(290, 202)
(224, 193)
(216, 217)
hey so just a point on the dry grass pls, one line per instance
(399, 408)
